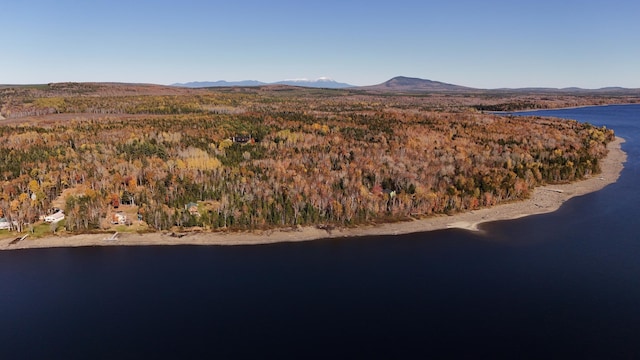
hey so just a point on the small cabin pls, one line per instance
(55, 217)
(119, 218)
(6, 225)
(242, 139)
(192, 208)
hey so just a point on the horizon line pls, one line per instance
(319, 79)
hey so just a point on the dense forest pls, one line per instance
(270, 157)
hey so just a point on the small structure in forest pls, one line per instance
(192, 208)
(55, 217)
(242, 139)
(119, 218)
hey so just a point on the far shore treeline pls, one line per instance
(270, 157)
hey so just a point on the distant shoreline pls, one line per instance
(560, 108)
(544, 199)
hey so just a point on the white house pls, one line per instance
(54, 218)
(119, 218)
(6, 225)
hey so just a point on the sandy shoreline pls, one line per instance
(545, 199)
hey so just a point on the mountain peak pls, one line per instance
(411, 84)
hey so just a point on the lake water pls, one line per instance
(559, 285)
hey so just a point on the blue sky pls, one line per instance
(486, 44)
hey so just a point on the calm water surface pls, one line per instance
(558, 285)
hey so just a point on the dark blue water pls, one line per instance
(561, 285)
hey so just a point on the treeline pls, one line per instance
(303, 164)
(511, 106)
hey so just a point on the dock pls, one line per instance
(112, 237)
(18, 239)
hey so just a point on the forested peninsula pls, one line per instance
(146, 158)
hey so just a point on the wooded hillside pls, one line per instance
(270, 157)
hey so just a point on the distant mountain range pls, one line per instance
(324, 83)
(220, 83)
(403, 84)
